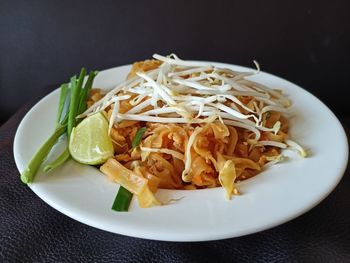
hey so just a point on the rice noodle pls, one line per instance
(176, 154)
(186, 177)
(204, 126)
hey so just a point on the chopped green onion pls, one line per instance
(122, 200)
(138, 137)
(63, 98)
(29, 173)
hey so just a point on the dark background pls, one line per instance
(45, 42)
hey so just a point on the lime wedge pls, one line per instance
(89, 142)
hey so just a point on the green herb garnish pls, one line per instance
(122, 200)
(138, 137)
(77, 104)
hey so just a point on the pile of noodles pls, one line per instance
(205, 127)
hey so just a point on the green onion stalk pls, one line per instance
(77, 104)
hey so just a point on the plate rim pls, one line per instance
(166, 237)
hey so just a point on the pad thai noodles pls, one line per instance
(199, 126)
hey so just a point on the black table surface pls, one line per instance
(32, 231)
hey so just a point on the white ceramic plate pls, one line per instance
(275, 196)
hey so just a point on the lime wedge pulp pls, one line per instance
(89, 142)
